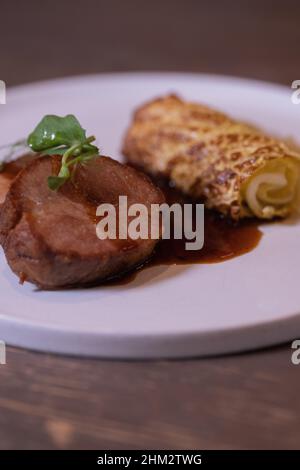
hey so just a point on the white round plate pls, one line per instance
(248, 302)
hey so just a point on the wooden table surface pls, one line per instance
(241, 401)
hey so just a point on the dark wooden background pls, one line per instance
(242, 401)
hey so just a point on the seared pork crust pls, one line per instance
(49, 238)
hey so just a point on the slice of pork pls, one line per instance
(49, 238)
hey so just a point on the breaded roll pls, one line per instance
(236, 169)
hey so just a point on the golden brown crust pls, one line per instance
(204, 152)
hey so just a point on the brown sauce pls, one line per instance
(223, 240)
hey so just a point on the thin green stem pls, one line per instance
(75, 148)
(80, 159)
(90, 139)
(69, 152)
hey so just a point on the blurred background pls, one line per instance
(50, 38)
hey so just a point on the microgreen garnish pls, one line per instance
(55, 135)
(64, 136)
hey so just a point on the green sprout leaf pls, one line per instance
(55, 135)
(54, 131)
(55, 182)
